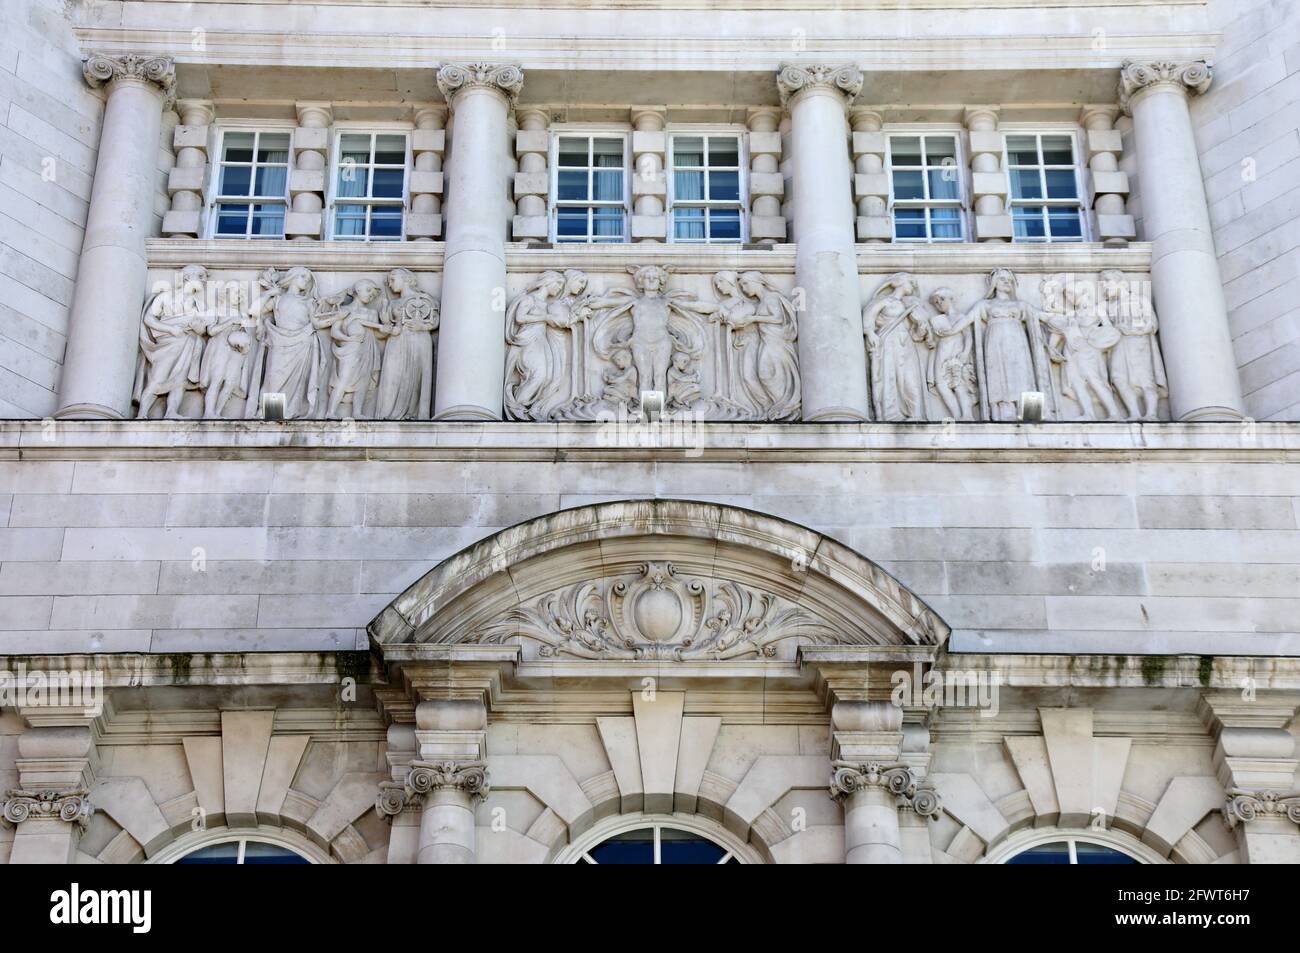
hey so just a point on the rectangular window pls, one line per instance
(707, 205)
(252, 184)
(1044, 187)
(369, 186)
(590, 189)
(925, 182)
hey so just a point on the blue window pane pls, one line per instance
(688, 186)
(688, 851)
(1022, 150)
(1061, 184)
(237, 147)
(232, 219)
(273, 147)
(1058, 853)
(724, 152)
(1026, 184)
(908, 185)
(943, 183)
(905, 151)
(571, 224)
(216, 854)
(1097, 854)
(572, 185)
(1066, 226)
(939, 149)
(354, 147)
(353, 179)
(608, 185)
(271, 180)
(386, 223)
(724, 186)
(607, 224)
(270, 854)
(387, 183)
(945, 223)
(1058, 150)
(635, 848)
(688, 224)
(390, 150)
(235, 180)
(268, 221)
(724, 225)
(350, 221)
(909, 223)
(688, 152)
(573, 152)
(1029, 224)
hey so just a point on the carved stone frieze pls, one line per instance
(469, 777)
(1194, 77)
(72, 806)
(575, 355)
(897, 779)
(1243, 806)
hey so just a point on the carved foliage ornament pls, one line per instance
(795, 78)
(72, 806)
(657, 614)
(101, 68)
(898, 779)
(1195, 77)
(1245, 806)
(425, 776)
(507, 79)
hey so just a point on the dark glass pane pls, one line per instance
(905, 150)
(1058, 853)
(390, 150)
(688, 151)
(945, 223)
(688, 851)
(350, 221)
(386, 223)
(271, 180)
(235, 180)
(688, 224)
(943, 182)
(1097, 854)
(227, 853)
(1022, 150)
(724, 225)
(724, 152)
(909, 223)
(268, 221)
(273, 147)
(387, 183)
(1029, 223)
(908, 185)
(1058, 150)
(255, 853)
(607, 153)
(939, 148)
(607, 223)
(688, 186)
(636, 847)
(724, 186)
(573, 152)
(572, 185)
(1061, 184)
(572, 223)
(355, 148)
(237, 147)
(608, 185)
(1066, 226)
(1026, 184)
(232, 219)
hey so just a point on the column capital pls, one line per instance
(101, 69)
(1244, 806)
(795, 78)
(71, 806)
(506, 79)
(424, 777)
(1192, 78)
(900, 780)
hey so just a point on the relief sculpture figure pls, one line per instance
(172, 329)
(896, 331)
(1013, 361)
(290, 359)
(951, 368)
(1080, 337)
(408, 319)
(352, 320)
(1137, 370)
(771, 368)
(227, 365)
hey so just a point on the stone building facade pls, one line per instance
(650, 431)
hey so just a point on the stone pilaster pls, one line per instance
(533, 180)
(103, 333)
(1194, 332)
(871, 179)
(428, 143)
(649, 181)
(51, 805)
(187, 179)
(471, 340)
(307, 185)
(1112, 224)
(988, 177)
(831, 355)
(766, 183)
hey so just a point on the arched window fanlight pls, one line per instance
(646, 839)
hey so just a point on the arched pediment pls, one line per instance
(658, 579)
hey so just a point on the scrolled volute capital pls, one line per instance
(1242, 806)
(425, 777)
(105, 68)
(506, 79)
(71, 806)
(900, 780)
(1194, 78)
(795, 78)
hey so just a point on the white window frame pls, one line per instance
(587, 131)
(1017, 844)
(1081, 202)
(961, 203)
(338, 131)
(211, 193)
(576, 851)
(673, 132)
(277, 837)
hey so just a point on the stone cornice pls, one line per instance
(1194, 78)
(101, 69)
(506, 79)
(71, 806)
(796, 78)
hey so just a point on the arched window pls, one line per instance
(243, 851)
(254, 846)
(653, 839)
(1071, 847)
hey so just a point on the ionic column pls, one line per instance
(988, 180)
(766, 183)
(471, 341)
(428, 142)
(533, 180)
(186, 180)
(311, 143)
(1194, 332)
(104, 324)
(51, 805)
(1112, 224)
(832, 360)
(649, 183)
(870, 180)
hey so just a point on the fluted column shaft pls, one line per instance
(1204, 383)
(471, 342)
(104, 324)
(832, 359)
